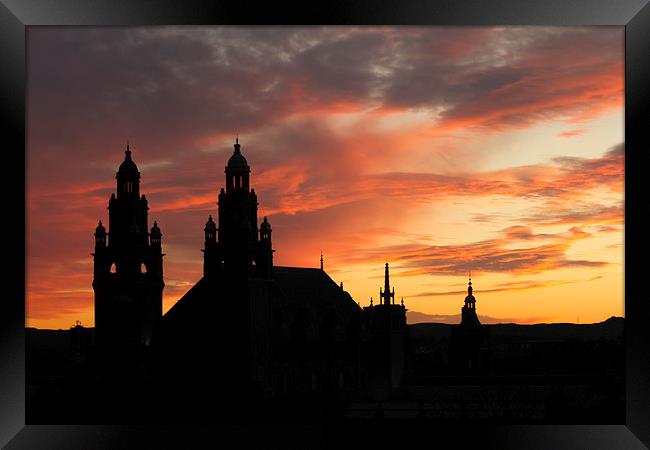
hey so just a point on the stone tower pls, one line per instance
(128, 267)
(236, 248)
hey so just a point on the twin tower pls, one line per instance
(128, 259)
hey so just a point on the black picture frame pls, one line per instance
(16, 15)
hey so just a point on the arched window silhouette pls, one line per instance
(143, 268)
(113, 268)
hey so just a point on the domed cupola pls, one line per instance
(265, 225)
(155, 235)
(100, 235)
(470, 301)
(100, 230)
(128, 166)
(265, 230)
(210, 230)
(128, 177)
(210, 225)
(237, 160)
(237, 171)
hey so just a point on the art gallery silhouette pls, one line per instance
(247, 328)
(251, 340)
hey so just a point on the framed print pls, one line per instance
(347, 222)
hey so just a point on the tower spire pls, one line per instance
(386, 280)
(321, 260)
(386, 295)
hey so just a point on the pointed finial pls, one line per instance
(402, 301)
(155, 224)
(341, 285)
(321, 260)
(370, 301)
(237, 144)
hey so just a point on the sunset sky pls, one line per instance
(437, 149)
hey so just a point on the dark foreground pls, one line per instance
(540, 374)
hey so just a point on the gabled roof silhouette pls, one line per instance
(294, 289)
(308, 287)
(197, 294)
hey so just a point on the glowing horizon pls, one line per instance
(439, 150)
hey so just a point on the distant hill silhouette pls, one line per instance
(609, 329)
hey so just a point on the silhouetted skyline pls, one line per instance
(495, 150)
(276, 343)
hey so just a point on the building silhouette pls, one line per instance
(128, 268)
(251, 340)
(388, 340)
(467, 337)
(250, 328)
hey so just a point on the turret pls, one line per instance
(155, 237)
(210, 231)
(265, 257)
(468, 312)
(100, 236)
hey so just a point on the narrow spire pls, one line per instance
(341, 285)
(469, 285)
(370, 301)
(387, 295)
(321, 260)
(386, 280)
(128, 150)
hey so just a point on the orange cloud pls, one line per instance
(571, 133)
